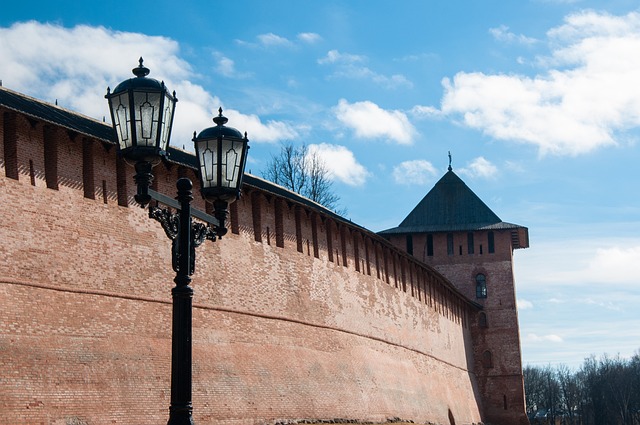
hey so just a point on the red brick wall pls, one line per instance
(278, 333)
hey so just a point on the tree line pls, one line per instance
(603, 391)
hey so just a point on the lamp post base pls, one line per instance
(180, 416)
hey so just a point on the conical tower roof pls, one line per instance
(450, 206)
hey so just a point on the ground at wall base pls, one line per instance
(342, 421)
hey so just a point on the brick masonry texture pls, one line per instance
(296, 313)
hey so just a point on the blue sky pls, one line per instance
(538, 102)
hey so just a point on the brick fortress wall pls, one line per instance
(298, 314)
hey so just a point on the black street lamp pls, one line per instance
(142, 115)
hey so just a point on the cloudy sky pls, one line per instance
(537, 100)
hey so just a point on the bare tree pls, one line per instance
(570, 393)
(302, 171)
(601, 392)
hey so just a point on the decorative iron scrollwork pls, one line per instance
(201, 232)
(170, 223)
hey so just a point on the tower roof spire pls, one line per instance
(450, 169)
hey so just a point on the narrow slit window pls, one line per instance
(491, 241)
(429, 245)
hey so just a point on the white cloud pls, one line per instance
(53, 62)
(341, 163)
(480, 167)
(225, 66)
(586, 94)
(364, 73)
(309, 37)
(416, 172)
(49, 61)
(502, 33)
(273, 40)
(257, 131)
(560, 1)
(369, 121)
(334, 56)
(614, 264)
(425, 112)
(524, 304)
(534, 338)
(348, 66)
(594, 262)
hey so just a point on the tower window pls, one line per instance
(481, 286)
(470, 243)
(429, 245)
(492, 245)
(449, 243)
(410, 244)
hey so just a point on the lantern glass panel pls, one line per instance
(167, 119)
(231, 155)
(147, 116)
(120, 115)
(208, 162)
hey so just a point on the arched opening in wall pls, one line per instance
(452, 420)
(482, 320)
(504, 400)
(487, 360)
(481, 286)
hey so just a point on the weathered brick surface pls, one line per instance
(278, 334)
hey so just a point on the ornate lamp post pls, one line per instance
(142, 115)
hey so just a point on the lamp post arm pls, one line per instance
(170, 202)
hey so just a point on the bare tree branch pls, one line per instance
(304, 172)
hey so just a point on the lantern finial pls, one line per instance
(220, 120)
(141, 70)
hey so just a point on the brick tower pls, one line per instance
(452, 230)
